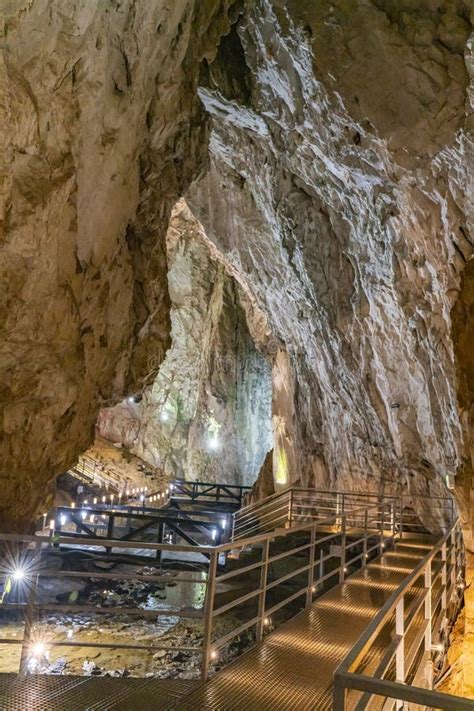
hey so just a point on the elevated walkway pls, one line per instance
(371, 598)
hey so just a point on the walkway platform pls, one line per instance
(291, 670)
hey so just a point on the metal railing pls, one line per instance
(209, 492)
(330, 547)
(295, 505)
(418, 616)
(141, 524)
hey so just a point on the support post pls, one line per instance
(29, 612)
(208, 615)
(159, 539)
(382, 523)
(263, 589)
(339, 697)
(343, 549)
(312, 552)
(400, 653)
(428, 620)
(290, 509)
(366, 518)
(444, 576)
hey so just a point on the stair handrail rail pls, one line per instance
(345, 678)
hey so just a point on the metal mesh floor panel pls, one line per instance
(292, 669)
(69, 693)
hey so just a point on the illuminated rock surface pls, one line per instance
(326, 156)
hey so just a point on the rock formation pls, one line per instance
(207, 416)
(323, 148)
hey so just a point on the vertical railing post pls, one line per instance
(452, 542)
(263, 589)
(208, 615)
(343, 549)
(428, 622)
(400, 653)
(321, 567)
(339, 696)
(366, 518)
(290, 509)
(312, 553)
(30, 609)
(401, 517)
(444, 571)
(382, 523)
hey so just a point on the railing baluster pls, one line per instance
(428, 622)
(263, 589)
(312, 553)
(29, 612)
(444, 572)
(400, 653)
(343, 549)
(208, 619)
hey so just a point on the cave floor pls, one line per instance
(291, 669)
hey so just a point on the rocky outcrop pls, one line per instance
(345, 212)
(326, 156)
(207, 415)
(101, 132)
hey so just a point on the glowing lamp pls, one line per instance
(18, 574)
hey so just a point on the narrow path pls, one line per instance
(292, 669)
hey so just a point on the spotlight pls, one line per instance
(164, 417)
(94, 500)
(223, 524)
(313, 589)
(214, 534)
(131, 400)
(18, 574)
(63, 519)
(73, 505)
(266, 621)
(38, 649)
(213, 444)
(214, 655)
(51, 525)
(104, 499)
(83, 514)
(345, 570)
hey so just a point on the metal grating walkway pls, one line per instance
(291, 670)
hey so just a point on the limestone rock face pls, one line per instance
(345, 209)
(324, 149)
(101, 131)
(208, 414)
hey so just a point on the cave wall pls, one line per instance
(101, 131)
(208, 414)
(350, 227)
(326, 154)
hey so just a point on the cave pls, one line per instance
(236, 354)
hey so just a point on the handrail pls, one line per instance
(346, 676)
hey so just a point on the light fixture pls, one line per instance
(223, 524)
(94, 500)
(131, 399)
(83, 514)
(266, 621)
(345, 570)
(73, 505)
(214, 654)
(18, 574)
(214, 534)
(85, 502)
(313, 589)
(213, 443)
(171, 487)
(142, 498)
(51, 524)
(104, 499)
(62, 519)
(38, 649)
(164, 417)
